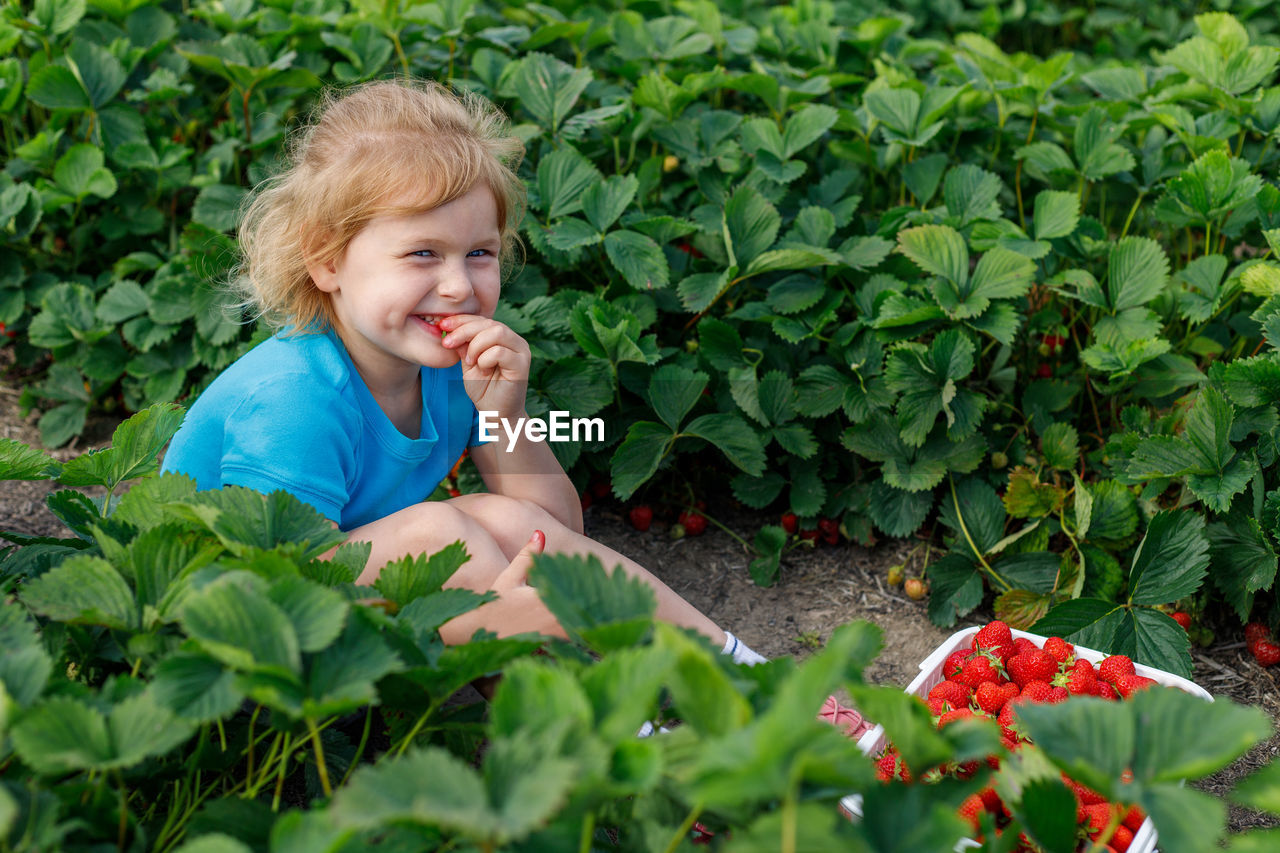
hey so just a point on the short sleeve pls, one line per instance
(296, 438)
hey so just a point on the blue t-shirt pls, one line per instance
(294, 414)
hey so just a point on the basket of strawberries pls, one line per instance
(991, 670)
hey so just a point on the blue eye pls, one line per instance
(423, 252)
(478, 252)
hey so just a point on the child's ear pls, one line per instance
(322, 265)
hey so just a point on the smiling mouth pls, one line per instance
(433, 321)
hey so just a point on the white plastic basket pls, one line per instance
(873, 741)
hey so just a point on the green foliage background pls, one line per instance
(1000, 273)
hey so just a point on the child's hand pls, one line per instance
(495, 362)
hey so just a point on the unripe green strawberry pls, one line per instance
(915, 588)
(896, 573)
(999, 460)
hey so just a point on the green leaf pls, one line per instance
(342, 678)
(805, 126)
(563, 177)
(140, 727)
(246, 521)
(699, 290)
(938, 250)
(1060, 444)
(699, 684)
(124, 300)
(218, 206)
(751, 223)
(414, 576)
(316, 612)
(605, 202)
(733, 437)
(638, 456)
(1243, 560)
(64, 736)
(973, 511)
(1260, 789)
(971, 193)
(1171, 560)
(794, 258)
(1047, 811)
(25, 666)
(1056, 214)
(426, 786)
(56, 17)
(638, 258)
(1186, 820)
(20, 461)
(548, 88)
(584, 599)
(1170, 744)
(1137, 271)
(1096, 150)
(83, 590)
(134, 451)
(1091, 739)
(99, 70)
(757, 492)
(898, 512)
(673, 392)
(196, 687)
(236, 623)
(57, 88)
(955, 589)
(81, 173)
(1115, 511)
(769, 541)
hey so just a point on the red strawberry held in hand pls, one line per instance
(641, 517)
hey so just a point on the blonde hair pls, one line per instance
(381, 148)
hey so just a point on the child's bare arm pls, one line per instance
(495, 368)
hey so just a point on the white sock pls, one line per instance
(740, 651)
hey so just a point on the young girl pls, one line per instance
(377, 255)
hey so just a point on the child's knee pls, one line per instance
(508, 520)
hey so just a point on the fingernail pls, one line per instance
(538, 540)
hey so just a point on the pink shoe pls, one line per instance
(846, 719)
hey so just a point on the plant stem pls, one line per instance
(282, 772)
(123, 828)
(321, 767)
(364, 739)
(588, 832)
(1128, 220)
(955, 501)
(683, 831)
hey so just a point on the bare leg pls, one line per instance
(428, 527)
(509, 522)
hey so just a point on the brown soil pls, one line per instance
(818, 590)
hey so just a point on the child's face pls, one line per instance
(401, 274)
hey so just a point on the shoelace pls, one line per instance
(844, 718)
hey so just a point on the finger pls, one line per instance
(497, 335)
(508, 361)
(459, 332)
(517, 572)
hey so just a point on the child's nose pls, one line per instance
(455, 283)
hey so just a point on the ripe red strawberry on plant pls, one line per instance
(1256, 631)
(790, 522)
(1182, 618)
(694, 523)
(641, 517)
(1265, 652)
(829, 530)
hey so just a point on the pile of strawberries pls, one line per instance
(997, 674)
